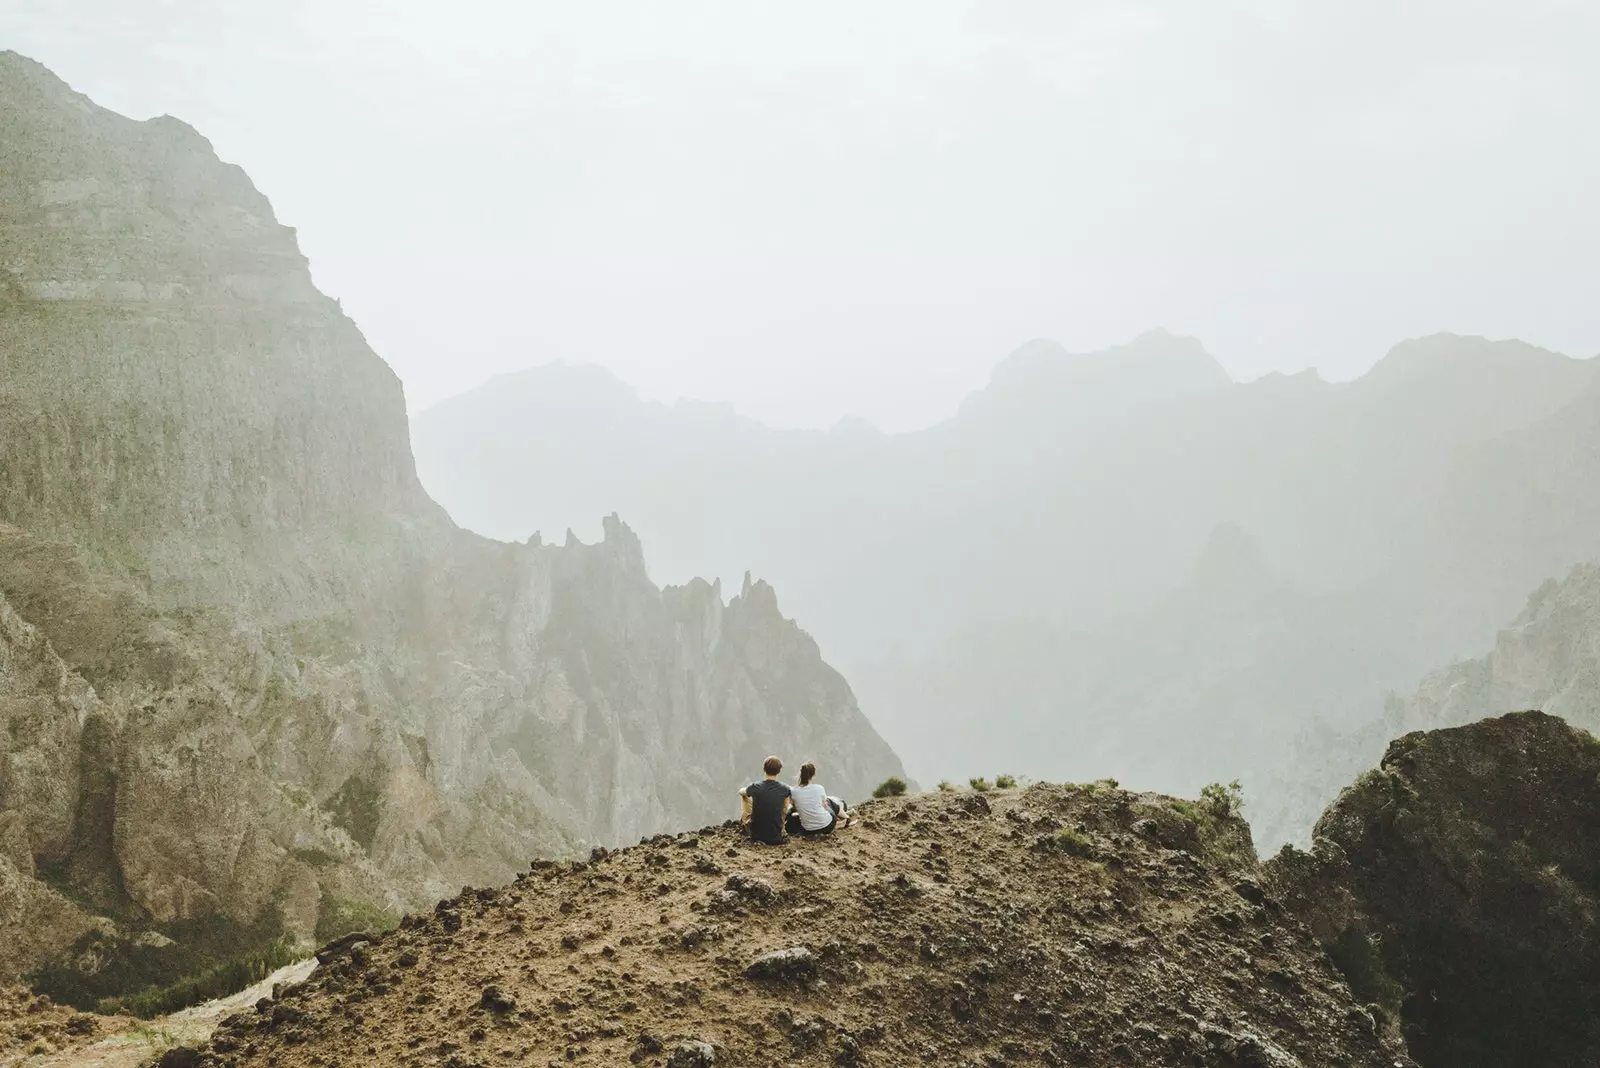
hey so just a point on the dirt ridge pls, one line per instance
(1060, 925)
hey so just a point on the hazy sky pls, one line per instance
(821, 208)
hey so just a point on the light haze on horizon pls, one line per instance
(842, 209)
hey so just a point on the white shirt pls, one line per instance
(812, 804)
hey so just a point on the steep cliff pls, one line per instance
(296, 693)
(1458, 887)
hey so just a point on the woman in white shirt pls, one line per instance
(814, 811)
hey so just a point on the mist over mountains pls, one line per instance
(1110, 563)
(255, 686)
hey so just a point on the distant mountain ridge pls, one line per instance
(994, 566)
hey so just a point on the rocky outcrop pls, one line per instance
(294, 692)
(1049, 925)
(1458, 887)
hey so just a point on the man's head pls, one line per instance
(772, 767)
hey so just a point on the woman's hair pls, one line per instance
(808, 771)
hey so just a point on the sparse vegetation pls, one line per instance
(1224, 801)
(946, 786)
(979, 784)
(893, 786)
(195, 961)
(1005, 782)
(1074, 841)
(341, 916)
(158, 1039)
(1216, 817)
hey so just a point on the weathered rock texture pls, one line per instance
(1047, 926)
(249, 672)
(1458, 886)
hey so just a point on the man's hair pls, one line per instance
(772, 766)
(808, 771)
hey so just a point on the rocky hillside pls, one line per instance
(1458, 887)
(253, 682)
(1052, 925)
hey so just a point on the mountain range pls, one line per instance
(1118, 562)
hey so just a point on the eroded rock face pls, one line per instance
(1458, 886)
(280, 682)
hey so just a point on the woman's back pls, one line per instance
(811, 802)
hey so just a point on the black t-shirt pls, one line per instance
(766, 810)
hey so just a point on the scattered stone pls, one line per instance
(693, 1054)
(797, 962)
(496, 1000)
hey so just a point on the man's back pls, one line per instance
(766, 810)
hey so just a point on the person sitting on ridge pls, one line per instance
(814, 811)
(765, 804)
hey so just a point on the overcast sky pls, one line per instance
(828, 208)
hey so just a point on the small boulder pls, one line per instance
(496, 1000)
(797, 962)
(693, 1055)
(750, 887)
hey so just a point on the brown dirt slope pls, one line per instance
(1053, 925)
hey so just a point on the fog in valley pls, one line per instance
(1133, 468)
(671, 242)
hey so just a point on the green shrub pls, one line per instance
(946, 786)
(1224, 802)
(979, 784)
(893, 786)
(1216, 817)
(1075, 842)
(1005, 782)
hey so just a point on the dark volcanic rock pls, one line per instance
(1458, 887)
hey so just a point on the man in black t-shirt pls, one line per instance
(766, 803)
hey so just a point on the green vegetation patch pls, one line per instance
(1075, 842)
(339, 916)
(147, 976)
(219, 980)
(893, 786)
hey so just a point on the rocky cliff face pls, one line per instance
(1458, 886)
(251, 674)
